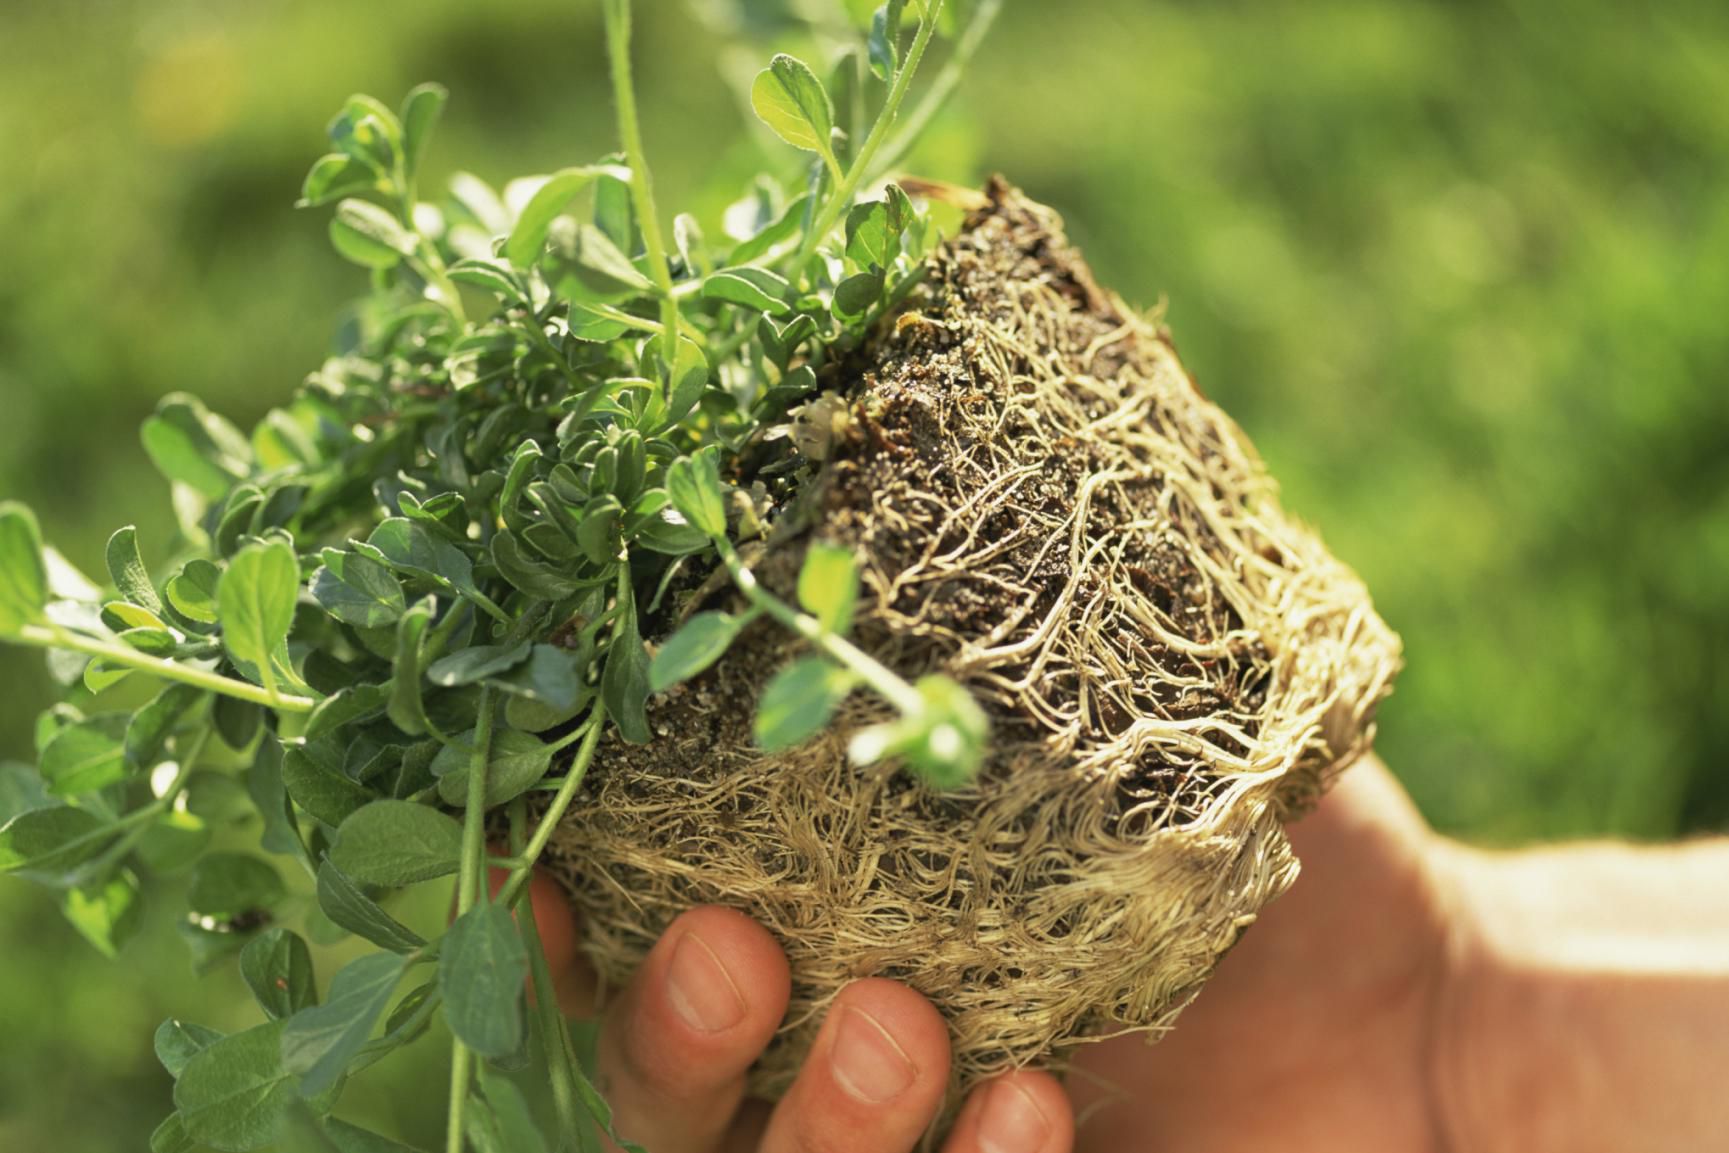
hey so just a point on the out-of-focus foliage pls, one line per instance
(1462, 271)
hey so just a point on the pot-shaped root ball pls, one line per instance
(1045, 507)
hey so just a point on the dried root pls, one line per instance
(1047, 508)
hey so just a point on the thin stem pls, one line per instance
(55, 637)
(555, 811)
(641, 186)
(548, 1018)
(861, 162)
(469, 883)
(942, 87)
(868, 669)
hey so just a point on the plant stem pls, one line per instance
(641, 185)
(469, 883)
(548, 1018)
(868, 669)
(549, 820)
(55, 637)
(942, 87)
(861, 161)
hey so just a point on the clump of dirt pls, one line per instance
(1046, 508)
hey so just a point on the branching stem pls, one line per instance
(55, 637)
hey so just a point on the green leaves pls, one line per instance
(702, 640)
(52, 840)
(319, 1042)
(789, 98)
(515, 761)
(481, 970)
(255, 600)
(229, 885)
(232, 1094)
(884, 45)
(693, 482)
(798, 702)
(370, 236)
(85, 756)
(624, 683)
(757, 289)
(421, 109)
(23, 576)
(528, 238)
(394, 843)
(943, 741)
(126, 567)
(277, 966)
(828, 585)
(348, 906)
(189, 445)
(358, 590)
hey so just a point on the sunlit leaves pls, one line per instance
(828, 585)
(799, 701)
(369, 235)
(126, 569)
(358, 590)
(528, 238)
(255, 599)
(789, 98)
(23, 576)
(757, 289)
(698, 643)
(421, 109)
(52, 840)
(192, 446)
(694, 484)
(86, 756)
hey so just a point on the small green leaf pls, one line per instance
(885, 34)
(421, 109)
(394, 843)
(552, 677)
(688, 377)
(406, 707)
(193, 446)
(755, 288)
(944, 742)
(334, 176)
(347, 905)
(52, 840)
(694, 484)
(23, 575)
(701, 641)
(481, 969)
(624, 683)
(319, 1042)
(414, 549)
(528, 238)
(828, 585)
(170, 1136)
(227, 885)
(515, 762)
(233, 1094)
(586, 265)
(151, 726)
(192, 592)
(126, 567)
(369, 235)
(177, 1042)
(358, 590)
(799, 701)
(475, 664)
(315, 781)
(790, 99)
(255, 599)
(855, 295)
(277, 966)
(107, 913)
(86, 756)
(517, 1130)
(536, 578)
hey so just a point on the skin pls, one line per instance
(1407, 996)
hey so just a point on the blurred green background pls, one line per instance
(1461, 270)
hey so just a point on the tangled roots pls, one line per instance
(1045, 507)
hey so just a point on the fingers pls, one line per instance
(675, 1046)
(1016, 1113)
(874, 1078)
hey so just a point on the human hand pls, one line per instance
(1320, 1031)
(676, 1043)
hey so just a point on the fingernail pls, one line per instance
(1011, 1121)
(866, 1061)
(700, 989)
